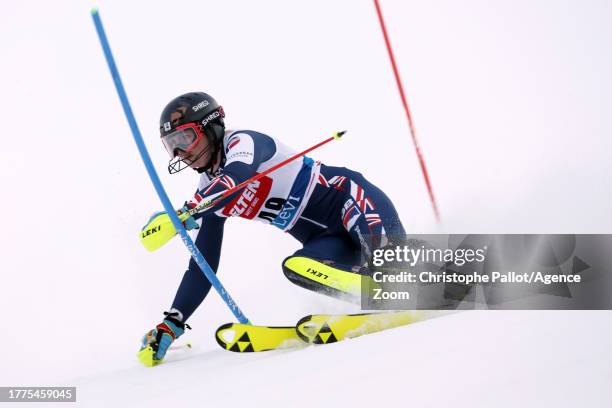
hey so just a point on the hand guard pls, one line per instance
(160, 229)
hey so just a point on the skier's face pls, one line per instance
(199, 156)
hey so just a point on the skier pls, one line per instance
(337, 215)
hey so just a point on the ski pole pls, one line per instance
(159, 188)
(223, 194)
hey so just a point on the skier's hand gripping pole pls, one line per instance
(159, 230)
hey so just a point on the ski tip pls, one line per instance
(94, 11)
(299, 329)
(304, 320)
(219, 335)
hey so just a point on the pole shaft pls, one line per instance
(144, 154)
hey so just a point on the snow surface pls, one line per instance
(511, 102)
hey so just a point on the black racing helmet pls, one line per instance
(185, 119)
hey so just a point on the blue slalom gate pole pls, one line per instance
(144, 154)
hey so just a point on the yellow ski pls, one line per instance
(244, 338)
(325, 329)
(313, 329)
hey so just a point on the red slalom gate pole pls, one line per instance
(398, 80)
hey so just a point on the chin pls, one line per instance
(198, 164)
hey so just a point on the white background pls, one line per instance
(511, 101)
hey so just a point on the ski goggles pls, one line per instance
(184, 137)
